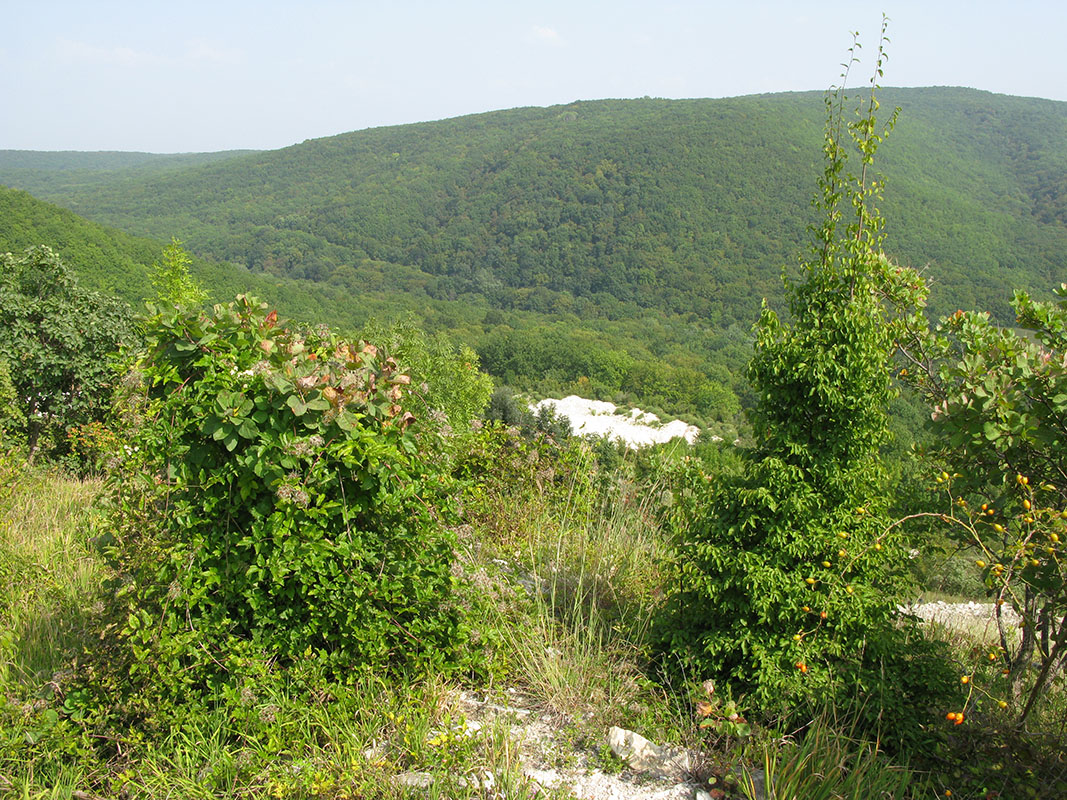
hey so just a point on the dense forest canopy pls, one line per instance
(643, 230)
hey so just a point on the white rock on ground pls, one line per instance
(661, 761)
(635, 428)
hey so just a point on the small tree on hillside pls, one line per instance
(790, 573)
(170, 275)
(999, 401)
(57, 339)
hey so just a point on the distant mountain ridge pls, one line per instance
(608, 207)
(614, 249)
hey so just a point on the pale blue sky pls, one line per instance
(191, 76)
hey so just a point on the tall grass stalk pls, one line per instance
(827, 762)
(593, 572)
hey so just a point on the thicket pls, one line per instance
(790, 571)
(999, 411)
(272, 505)
(58, 341)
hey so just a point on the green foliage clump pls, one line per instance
(999, 401)
(170, 275)
(11, 416)
(790, 572)
(58, 340)
(450, 384)
(272, 498)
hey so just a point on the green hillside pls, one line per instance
(605, 209)
(110, 261)
(617, 248)
(653, 358)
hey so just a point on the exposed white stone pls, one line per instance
(661, 761)
(635, 428)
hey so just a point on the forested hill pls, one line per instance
(118, 264)
(612, 208)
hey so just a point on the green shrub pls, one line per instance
(272, 502)
(790, 572)
(12, 420)
(58, 340)
(450, 384)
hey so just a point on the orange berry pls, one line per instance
(822, 615)
(959, 719)
(965, 679)
(951, 715)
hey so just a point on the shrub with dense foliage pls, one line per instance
(999, 400)
(790, 571)
(57, 339)
(272, 496)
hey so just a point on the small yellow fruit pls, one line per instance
(841, 553)
(1026, 504)
(980, 563)
(1002, 704)
(797, 637)
(843, 535)
(990, 511)
(806, 609)
(849, 589)
(965, 679)
(877, 545)
(1034, 562)
(998, 528)
(1054, 537)
(944, 476)
(826, 564)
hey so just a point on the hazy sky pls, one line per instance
(193, 76)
